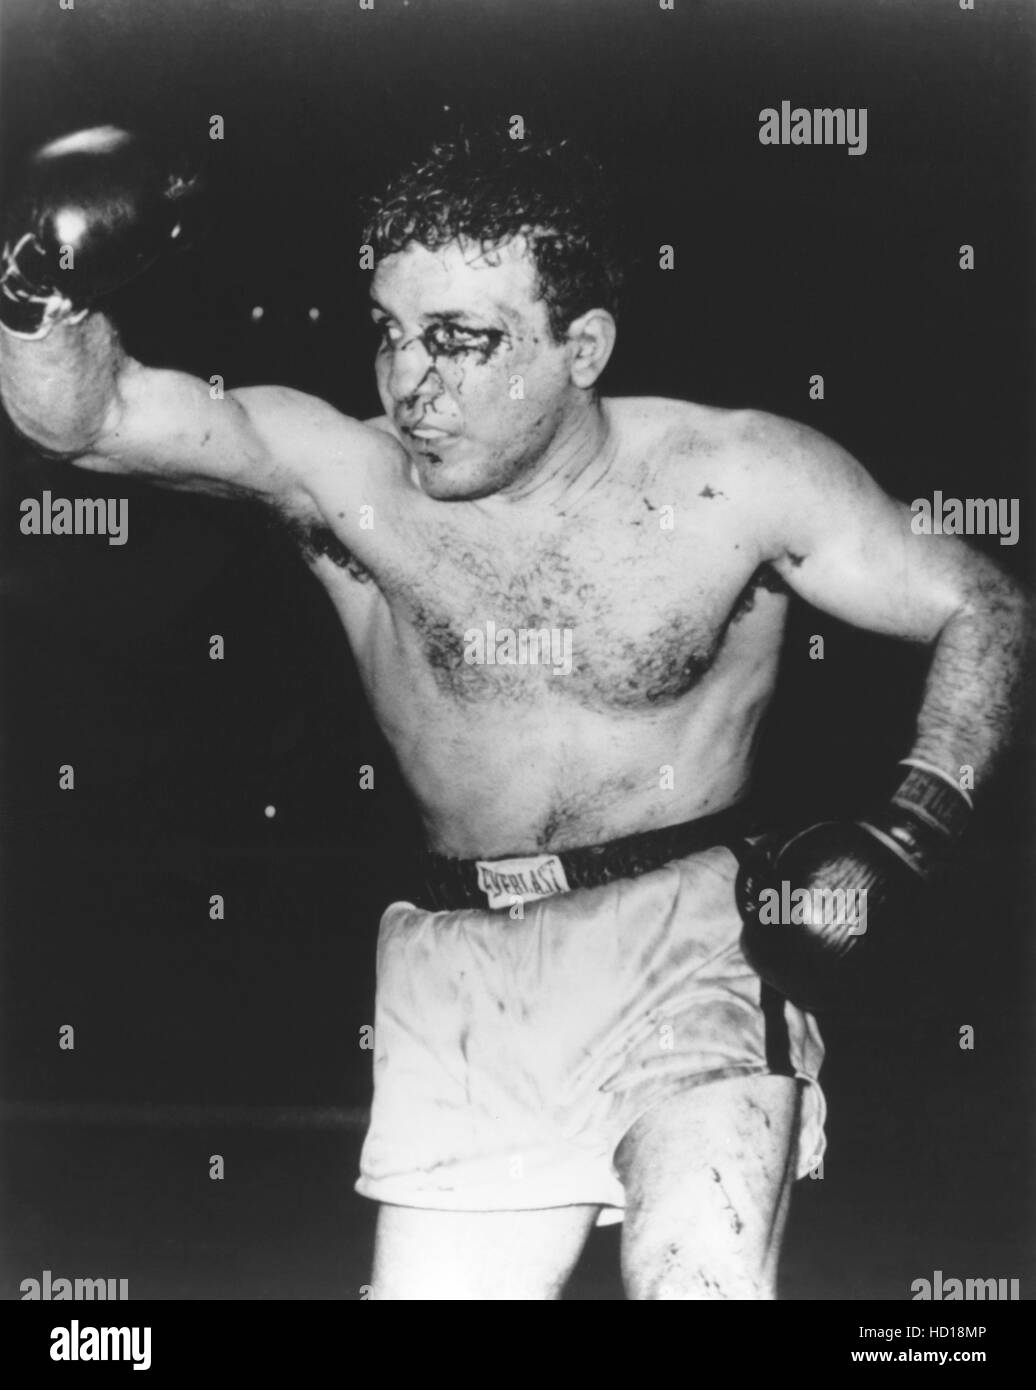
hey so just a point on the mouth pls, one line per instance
(426, 437)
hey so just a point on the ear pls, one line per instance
(590, 340)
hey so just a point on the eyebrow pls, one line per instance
(454, 316)
(458, 316)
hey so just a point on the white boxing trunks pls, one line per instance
(512, 1055)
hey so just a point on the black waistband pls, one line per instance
(441, 884)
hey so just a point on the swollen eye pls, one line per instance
(446, 340)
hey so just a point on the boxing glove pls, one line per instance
(810, 907)
(95, 210)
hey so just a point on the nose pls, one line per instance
(412, 372)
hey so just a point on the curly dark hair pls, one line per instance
(487, 189)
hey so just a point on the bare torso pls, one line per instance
(674, 625)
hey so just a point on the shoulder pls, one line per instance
(767, 459)
(775, 440)
(687, 428)
(325, 450)
(778, 477)
(683, 437)
(288, 418)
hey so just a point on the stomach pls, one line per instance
(499, 767)
(490, 788)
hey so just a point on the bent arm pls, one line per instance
(845, 546)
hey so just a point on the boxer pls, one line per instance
(584, 1010)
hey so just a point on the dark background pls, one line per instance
(789, 261)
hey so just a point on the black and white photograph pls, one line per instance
(515, 596)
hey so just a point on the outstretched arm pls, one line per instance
(78, 396)
(95, 211)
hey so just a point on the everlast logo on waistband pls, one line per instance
(506, 881)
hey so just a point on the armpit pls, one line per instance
(765, 578)
(314, 541)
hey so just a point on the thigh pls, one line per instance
(481, 1256)
(708, 1176)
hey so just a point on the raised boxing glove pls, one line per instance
(95, 209)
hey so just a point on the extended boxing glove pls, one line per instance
(95, 209)
(810, 906)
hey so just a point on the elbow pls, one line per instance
(983, 589)
(1001, 612)
(49, 439)
(63, 416)
(54, 430)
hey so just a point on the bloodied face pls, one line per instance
(467, 368)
